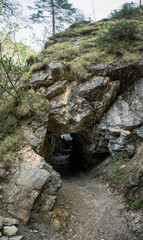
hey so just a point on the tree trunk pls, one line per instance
(53, 16)
(141, 5)
(93, 10)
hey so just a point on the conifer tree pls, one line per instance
(8, 8)
(54, 12)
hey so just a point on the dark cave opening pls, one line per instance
(68, 156)
(62, 154)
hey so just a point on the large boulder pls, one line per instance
(29, 178)
(81, 105)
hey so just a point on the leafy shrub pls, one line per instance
(12, 142)
(31, 104)
(119, 32)
(126, 11)
(137, 204)
(8, 121)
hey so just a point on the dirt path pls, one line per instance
(96, 212)
(89, 210)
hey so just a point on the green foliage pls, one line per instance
(67, 217)
(79, 24)
(7, 8)
(8, 121)
(120, 31)
(96, 46)
(24, 51)
(8, 126)
(31, 104)
(137, 204)
(134, 132)
(12, 61)
(83, 30)
(24, 81)
(37, 67)
(127, 10)
(60, 11)
(64, 51)
(120, 158)
(115, 165)
(10, 136)
(12, 142)
(115, 176)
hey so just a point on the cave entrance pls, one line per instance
(62, 158)
(68, 155)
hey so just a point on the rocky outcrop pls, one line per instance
(77, 107)
(135, 179)
(127, 73)
(74, 105)
(120, 130)
(29, 178)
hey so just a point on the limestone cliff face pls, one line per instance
(104, 113)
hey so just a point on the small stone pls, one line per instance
(16, 238)
(1, 226)
(10, 230)
(135, 229)
(108, 190)
(35, 231)
(9, 221)
(56, 224)
(2, 173)
(4, 238)
(123, 166)
(0, 234)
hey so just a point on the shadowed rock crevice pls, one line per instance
(127, 73)
(69, 153)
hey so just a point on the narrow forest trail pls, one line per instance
(93, 213)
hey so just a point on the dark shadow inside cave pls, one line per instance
(68, 156)
(63, 154)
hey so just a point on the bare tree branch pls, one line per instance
(93, 10)
(5, 90)
(8, 77)
(141, 6)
